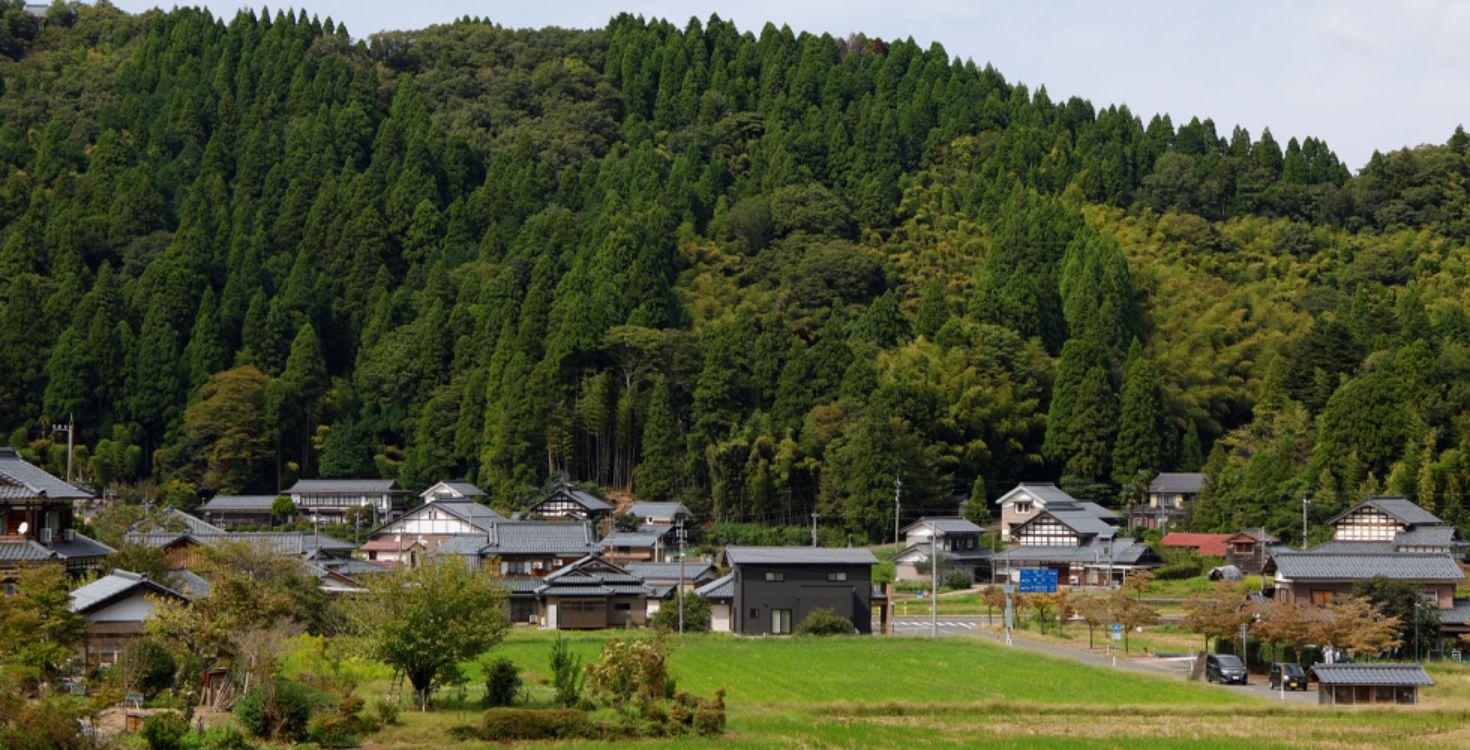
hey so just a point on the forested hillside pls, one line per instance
(757, 271)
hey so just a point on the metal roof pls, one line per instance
(920, 552)
(1123, 550)
(1386, 675)
(945, 525)
(113, 585)
(720, 588)
(799, 556)
(1187, 483)
(458, 489)
(1342, 566)
(657, 510)
(22, 480)
(343, 486)
(694, 570)
(630, 539)
(465, 510)
(1096, 510)
(240, 503)
(1046, 492)
(1400, 508)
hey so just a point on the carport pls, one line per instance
(1365, 684)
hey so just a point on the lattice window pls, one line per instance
(1367, 525)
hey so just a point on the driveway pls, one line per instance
(976, 626)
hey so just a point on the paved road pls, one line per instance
(1171, 666)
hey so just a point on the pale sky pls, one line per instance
(1360, 74)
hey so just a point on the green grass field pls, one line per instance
(916, 693)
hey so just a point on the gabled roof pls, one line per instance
(694, 570)
(1042, 492)
(343, 486)
(1405, 511)
(945, 525)
(1339, 566)
(1097, 511)
(274, 542)
(22, 480)
(239, 504)
(1124, 551)
(117, 584)
(799, 556)
(29, 550)
(452, 489)
(1426, 536)
(1459, 614)
(1209, 545)
(193, 523)
(565, 490)
(592, 576)
(630, 539)
(1258, 534)
(1189, 483)
(560, 538)
(1385, 675)
(920, 551)
(720, 588)
(1078, 520)
(188, 583)
(657, 510)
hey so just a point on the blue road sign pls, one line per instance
(1117, 631)
(1038, 581)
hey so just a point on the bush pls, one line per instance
(164, 731)
(342, 729)
(1179, 570)
(147, 667)
(958, 579)
(502, 683)
(219, 738)
(824, 621)
(505, 724)
(568, 676)
(630, 672)
(278, 714)
(388, 711)
(696, 614)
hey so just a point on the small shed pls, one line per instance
(1362, 684)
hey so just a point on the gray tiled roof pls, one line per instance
(465, 489)
(189, 583)
(469, 511)
(330, 486)
(799, 556)
(1400, 508)
(193, 523)
(1338, 547)
(1079, 521)
(1046, 492)
(521, 584)
(113, 585)
(29, 550)
(1097, 511)
(523, 538)
(276, 542)
(239, 504)
(945, 524)
(720, 588)
(961, 555)
(1426, 536)
(629, 539)
(657, 510)
(669, 571)
(20, 479)
(1337, 566)
(545, 590)
(1124, 551)
(23, 550)
(1188, 483)
(1456, 615)
(1394, 675)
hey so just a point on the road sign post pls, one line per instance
(1038, 581)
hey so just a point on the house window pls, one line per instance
(1322, 598)
(622, 606)
(781, 621)
(837, 577)
(1024, 507)
(773, 576)
(755, 614)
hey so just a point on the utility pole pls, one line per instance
(897, 491)
(1304, 503)
(683, 535)
(815, 516)
(933, 580)
(70, 428)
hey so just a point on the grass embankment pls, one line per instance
(912, 692)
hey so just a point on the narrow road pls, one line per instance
(1169, 666)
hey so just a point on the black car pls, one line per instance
(1288, 676)
(1224, 668)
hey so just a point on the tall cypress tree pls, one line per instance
(1140, 446)
(658, 474)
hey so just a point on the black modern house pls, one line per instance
(775, 588)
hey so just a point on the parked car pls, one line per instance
(1224, 668)
(1287, 676)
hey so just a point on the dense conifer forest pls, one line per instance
(755, 270)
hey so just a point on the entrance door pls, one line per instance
(581, 614)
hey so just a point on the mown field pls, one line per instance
(917, 693)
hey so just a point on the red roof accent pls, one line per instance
(1209, 545)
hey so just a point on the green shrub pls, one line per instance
(343, 728)
(279, 714)
(502, 683)
(147, 667)
(568, 675)
(163, 731)
(388, 711)
(1179, 570)
(958, 579)
(508, 724)
(696, 614)
(218, 738)
(822, 621)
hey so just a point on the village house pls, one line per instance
(633, 546)
(567, 500)
(421, 530)
(660, 514)
(36, 512)
(720, 593)
(1250, 552)
(775, 588)
(453, 491)
(592, 594)
(1168, 500)
(1029, 498)
(1083, 549)
(525, 552)
(1394, 522)
(115, 608)
(184, 537)
(662, 579)
(1204, 545)
(334, 499)
(959, 549)
(234, 511)
(1319, 578)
